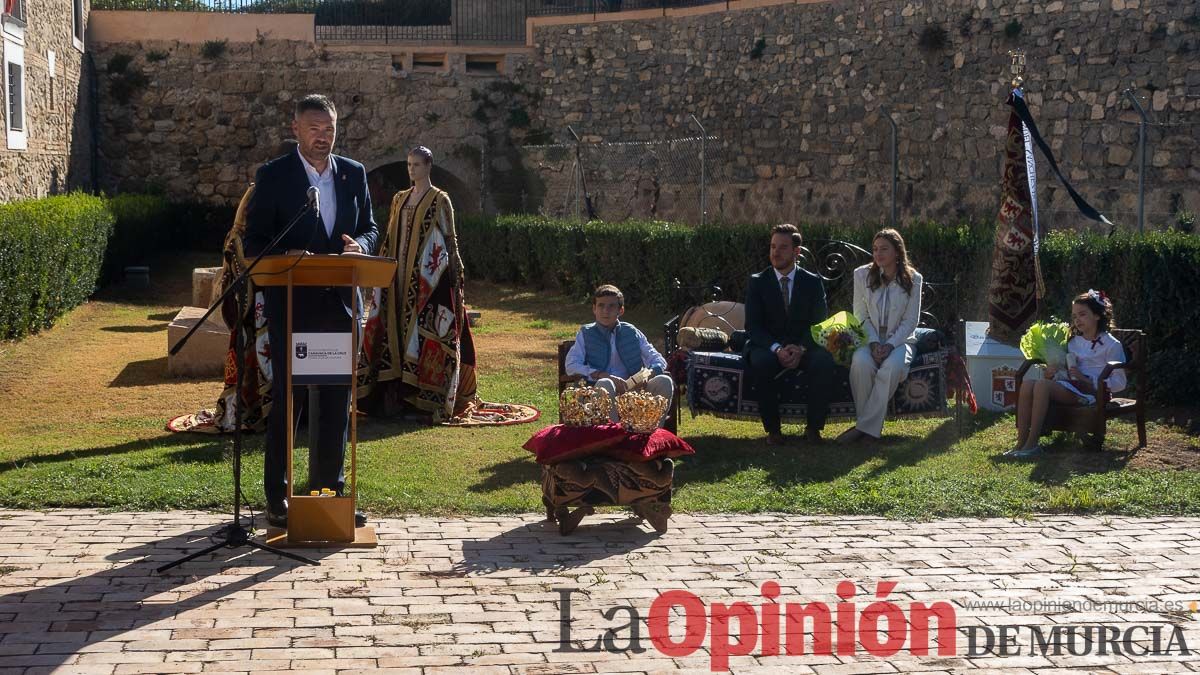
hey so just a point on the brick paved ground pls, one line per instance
(479, 595)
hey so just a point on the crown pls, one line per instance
(640, 411)
(581, 405)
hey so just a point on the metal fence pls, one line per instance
(436, 21)
(616, 181)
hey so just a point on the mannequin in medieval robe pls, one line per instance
(418, 355)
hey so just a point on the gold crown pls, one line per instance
(640, 411)
(582, 406)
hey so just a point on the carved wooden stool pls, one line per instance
(584, 484)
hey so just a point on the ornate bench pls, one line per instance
(715, 383)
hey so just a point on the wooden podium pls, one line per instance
(323, 521)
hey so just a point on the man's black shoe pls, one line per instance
(277, 516)
(360, 519)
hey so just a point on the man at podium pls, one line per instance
(343, 223)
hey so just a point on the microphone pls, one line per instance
(314, 200)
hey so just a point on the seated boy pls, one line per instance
(615, 355)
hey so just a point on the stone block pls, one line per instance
(204, 354)
(203, 279)
(1119, 156)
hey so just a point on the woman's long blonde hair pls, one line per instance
(904, 271)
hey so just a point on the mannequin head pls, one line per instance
(420, 164)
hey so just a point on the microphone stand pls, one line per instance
(235, 534)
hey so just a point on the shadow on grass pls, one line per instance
(162, 316)
(719, 457)
(901, 451)
(378, 428)
(170, 280)
(191, 448)
(539, 547)
(111, 602)
(516, 471)
(1067, 457)
(143, 373)
(135, 329)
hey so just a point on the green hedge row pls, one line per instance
(138, 231)
(1148, 276)
(644, 258)
(54, 252)
(50, 258)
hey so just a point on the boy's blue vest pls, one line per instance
(596, 346)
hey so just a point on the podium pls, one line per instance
(315, 521)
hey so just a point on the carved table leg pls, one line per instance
(568, 520)
(655, 513)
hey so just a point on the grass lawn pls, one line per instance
(82, 409)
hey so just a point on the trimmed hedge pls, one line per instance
(1148, 276)
(138, 231)
(643, 258)
(54, 252)
(1151, 280)
(50, 257)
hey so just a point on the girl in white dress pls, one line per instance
(1089, 350)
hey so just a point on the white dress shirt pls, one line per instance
(791, 277)
(324, 183)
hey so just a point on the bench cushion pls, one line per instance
(716, 384)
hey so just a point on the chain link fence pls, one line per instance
(957, 165)
(613, 181)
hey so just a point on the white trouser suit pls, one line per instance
(889, 316)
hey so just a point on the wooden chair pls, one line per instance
(653, 508)
(671, 424)
(1092, 421)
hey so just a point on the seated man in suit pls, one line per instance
(344, 224)
(782, 304)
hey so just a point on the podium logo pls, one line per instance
(301, 350)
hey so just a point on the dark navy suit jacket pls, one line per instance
(280, 192)
(766, 320)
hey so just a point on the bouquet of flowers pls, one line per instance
(841, 334)
(1047, 341)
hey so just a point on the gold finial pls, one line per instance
(1017, 67)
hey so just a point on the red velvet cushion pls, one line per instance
(645, 447)
(559, 442)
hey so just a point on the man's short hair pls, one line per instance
(788, 228)
(608, 291)
(316, 102)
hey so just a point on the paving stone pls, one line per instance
(436, 597)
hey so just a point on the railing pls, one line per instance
(439, 21)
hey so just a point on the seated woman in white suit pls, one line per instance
(887, 300)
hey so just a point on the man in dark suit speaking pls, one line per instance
(343, 224)
(782, 303)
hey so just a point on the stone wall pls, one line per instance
(203, 116)
(796, 93)
(57, 109)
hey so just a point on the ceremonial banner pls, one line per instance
(1016, 285)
